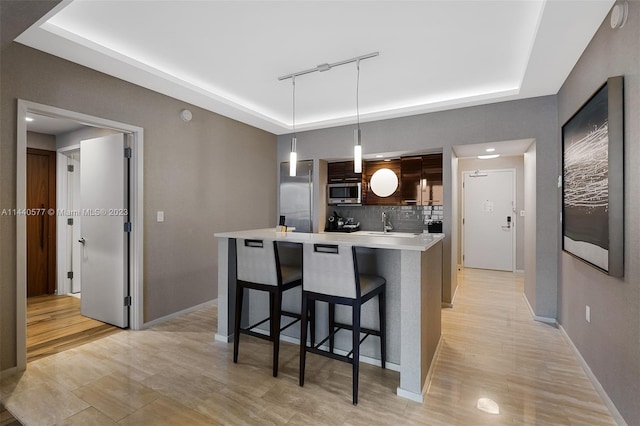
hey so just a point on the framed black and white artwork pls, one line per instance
(593, 180)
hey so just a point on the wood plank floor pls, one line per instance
(54, 324)
(496, 366)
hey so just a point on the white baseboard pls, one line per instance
(453, 299)
(547, 320)
(416, 397)
(9, 372)
(594, 380)
(427, 382)
(519, 271)
(179, 313)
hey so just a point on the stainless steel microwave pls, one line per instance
(344, 193)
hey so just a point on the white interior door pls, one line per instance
(489, 219)
(104, 246)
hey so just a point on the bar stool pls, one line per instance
(259, 268)
(331, 275)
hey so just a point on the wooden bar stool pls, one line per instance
(331, 275)
(259, 268)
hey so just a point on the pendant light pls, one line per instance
(293, 155)
(357, 140)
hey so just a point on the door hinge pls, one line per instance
(127, 153)
(70, 275)
(70, 168)
(463, 220)
(127, 301)
(70, 221)
(127, 227)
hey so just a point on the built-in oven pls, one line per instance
(344, 194)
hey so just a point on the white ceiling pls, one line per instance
(226, 56)
(51, 126)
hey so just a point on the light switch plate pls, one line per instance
(521, 213)
(160, 216)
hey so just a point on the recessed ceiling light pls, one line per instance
(490, 149)
(488, 157)
(28, 119)
(387, 159)
(379, 155)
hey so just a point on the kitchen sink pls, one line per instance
(389, 234)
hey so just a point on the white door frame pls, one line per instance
(62, 261)
(513, 217)
(137, 198)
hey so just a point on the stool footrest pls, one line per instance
(362, 329)
(343, 358)
(248, 330)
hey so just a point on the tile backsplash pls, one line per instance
(403, 218)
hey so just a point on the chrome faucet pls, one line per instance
(386, 223)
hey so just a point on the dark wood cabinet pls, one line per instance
(342, 171)
(410, 181)
(432, 192)
(368, 197)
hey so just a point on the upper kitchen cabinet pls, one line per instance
(369, 197)
(342, 171)
(431, 185)
(411, 180)
(421, 180)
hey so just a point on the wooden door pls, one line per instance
(41, 222)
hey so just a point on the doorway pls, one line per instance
(135, 186)
(488, 221)
(41, 222)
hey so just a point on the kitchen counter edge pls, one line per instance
(420, 242)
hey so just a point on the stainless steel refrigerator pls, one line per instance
(296, 196)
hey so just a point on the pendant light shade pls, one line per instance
(357, 152)
(293, 157)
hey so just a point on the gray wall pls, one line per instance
(209, 175)
(511, 162)
(610, 344)
(534, 118)
(41, 141)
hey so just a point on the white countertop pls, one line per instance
(392, 240)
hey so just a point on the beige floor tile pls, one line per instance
(44, 404)
(90, 416)
(116, 395)
(165, 412)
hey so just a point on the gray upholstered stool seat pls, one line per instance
(260, 267)
(331, 275)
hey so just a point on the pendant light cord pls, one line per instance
(358, 93)
(293, 82)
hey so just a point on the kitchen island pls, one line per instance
(412, 266)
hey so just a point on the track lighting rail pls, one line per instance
(327, 67)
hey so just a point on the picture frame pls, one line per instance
(593, 180)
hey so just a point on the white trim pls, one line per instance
(137, 197)
(535, 317)
(412, 396)
(179, 313)
(594, 380)
(519, 271)
(9, 372)
(453, 299)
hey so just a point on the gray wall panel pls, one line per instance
(610, 343)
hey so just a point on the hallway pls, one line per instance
(174, 373)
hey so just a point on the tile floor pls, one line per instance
(176, 374)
